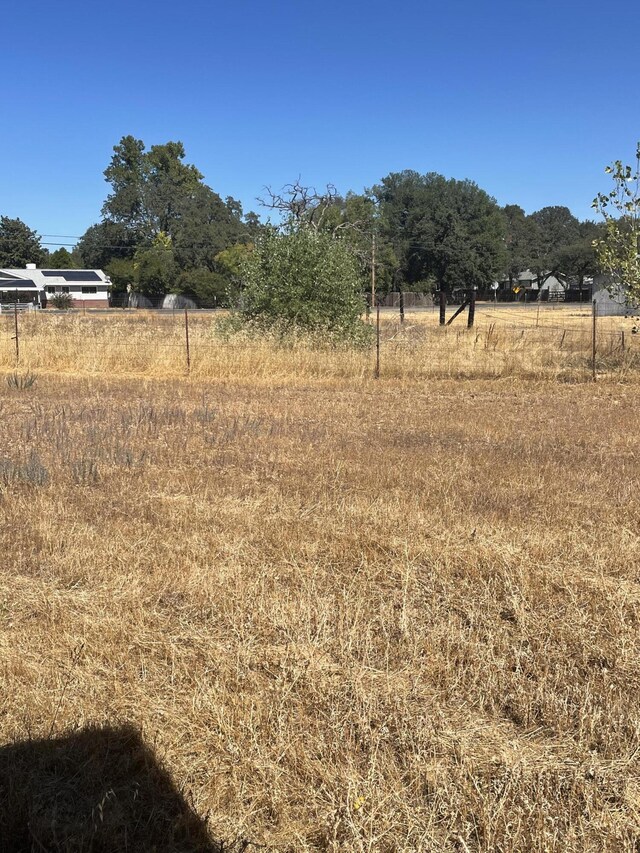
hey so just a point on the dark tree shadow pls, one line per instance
(99, 790)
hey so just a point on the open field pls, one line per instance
(341, 614)
(508, 341)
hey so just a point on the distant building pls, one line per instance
(558, 288)
(525, 288)
(611, 299)
(88, 288)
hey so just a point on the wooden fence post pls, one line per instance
(472, 308)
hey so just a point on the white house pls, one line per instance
(88, 288)
(23, 290)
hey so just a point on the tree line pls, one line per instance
(163, 230)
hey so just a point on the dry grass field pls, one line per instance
(328, 613)
(552, 343)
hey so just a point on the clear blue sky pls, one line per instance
(529, 99)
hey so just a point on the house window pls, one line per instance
(89, 289)
(64, 290)
(51, 288)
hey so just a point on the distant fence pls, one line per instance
(12, 307)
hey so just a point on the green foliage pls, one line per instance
(121, 272)
(520, 236)
(61, 259)
(442, 229)
(62, 301)
(578, 260)
(154, 269)
(217, 284)
(554, 229)
(303, 280)
(19, 245)
(153, 193)
(209, 287)
(618, 249)
(229, 268)
(356, 219)
(205, 227)
(103, 243)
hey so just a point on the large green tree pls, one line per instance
(109, 246)
(103, 242)
(19, 245)
(357, 220)
(61, 259)
(555, 229)
(155, 192)
(448, 230)
(578, 260)
(520, 238)
(154, 267)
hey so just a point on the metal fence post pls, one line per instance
(17, 335)
(377, 372)
(186, 336)
(593, 341)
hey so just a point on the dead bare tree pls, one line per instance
(301, 204)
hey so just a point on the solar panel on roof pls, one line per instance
(17, 284)
(73, 275)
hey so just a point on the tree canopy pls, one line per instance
(19, 245)
(163, 229)
(442, 229)
(162, 226)
(61, 259)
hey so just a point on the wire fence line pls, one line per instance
(45, 342)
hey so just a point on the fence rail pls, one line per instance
(12, 307)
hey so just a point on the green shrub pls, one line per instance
(302, 281)
(62, 301)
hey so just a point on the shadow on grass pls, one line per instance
(99, 790)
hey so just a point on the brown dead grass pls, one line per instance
(508, 342)
(347, 615)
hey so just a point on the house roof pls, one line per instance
(18, 284)
(43, 277)
(73, 275)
